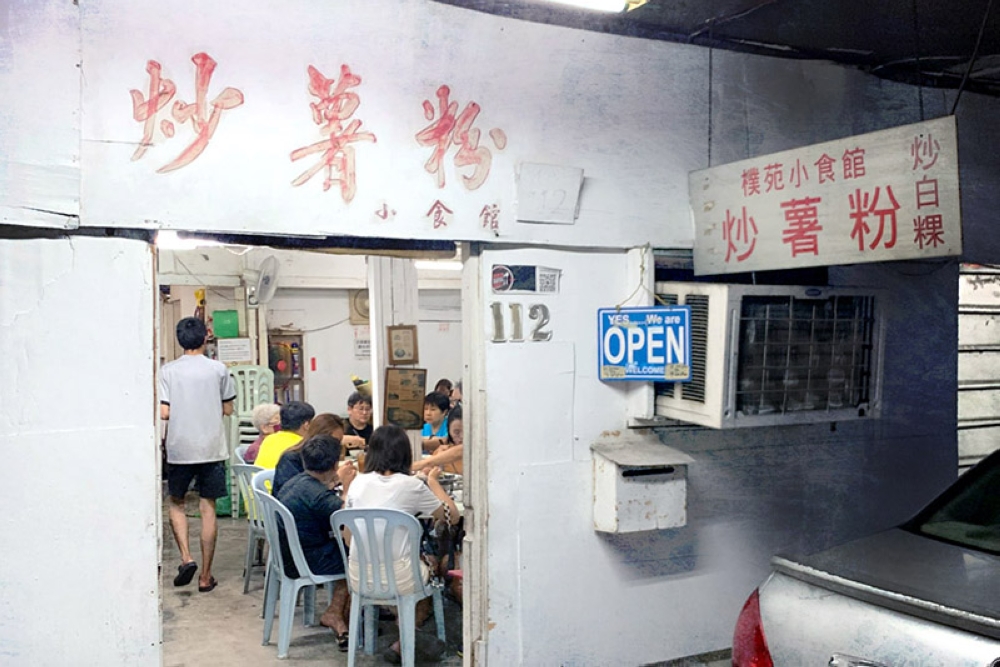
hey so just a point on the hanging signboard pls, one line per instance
(644, 344)
(887, 195)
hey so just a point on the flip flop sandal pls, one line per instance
(212, 583)
(343, 641)
(185, 573)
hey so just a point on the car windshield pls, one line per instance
(968, 513)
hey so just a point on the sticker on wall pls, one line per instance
(523, 279)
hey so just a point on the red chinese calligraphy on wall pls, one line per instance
(439, 214)
(740, 235)
(490, 217)
(384, 212)
(866, 204)
(203, 115)
(802, 232)
(450, 127)
(335, 104)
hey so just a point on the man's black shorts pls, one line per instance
(210, 479)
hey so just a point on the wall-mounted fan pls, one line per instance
(267, 283)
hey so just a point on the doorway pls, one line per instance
(315, 310)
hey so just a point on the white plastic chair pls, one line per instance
(240, 451)
(278, 520)
(373, 535)
(255, 523)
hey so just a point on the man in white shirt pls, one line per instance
(195, 393)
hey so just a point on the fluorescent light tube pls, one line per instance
(596, 5)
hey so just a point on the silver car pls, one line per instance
(925, 594)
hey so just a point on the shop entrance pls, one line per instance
(304, 315)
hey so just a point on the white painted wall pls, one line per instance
(40, 141)
(77, 438)
(329, 339)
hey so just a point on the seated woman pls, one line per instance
(266, 418)
(448, 456)
(290, 464)
(387, 483)
(309, 496)
(435, 431)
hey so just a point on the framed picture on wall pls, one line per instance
(404, 397)
(402, 343)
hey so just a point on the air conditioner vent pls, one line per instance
(766, 355)
(695, 389)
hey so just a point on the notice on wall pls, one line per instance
(652, 344)
(548, 193)
(362, 343)
(404, 397)
(888, 195)
(234, 350)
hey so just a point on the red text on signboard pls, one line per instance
(802, 231)
(863, 205)
(740, 235)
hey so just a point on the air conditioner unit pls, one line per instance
(765, 355)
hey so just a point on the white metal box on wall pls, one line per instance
(765, 355)
(639, 484)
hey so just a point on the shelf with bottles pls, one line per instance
(285, 359)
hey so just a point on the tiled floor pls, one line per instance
(224, 627)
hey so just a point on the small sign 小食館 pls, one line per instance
(651, 344)
(882, 196)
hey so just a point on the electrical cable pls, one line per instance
(975, 54)
(916, 48)
(202, 280)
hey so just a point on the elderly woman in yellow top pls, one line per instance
(295, 419)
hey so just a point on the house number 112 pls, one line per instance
(537, 312)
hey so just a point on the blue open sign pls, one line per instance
(644, 344)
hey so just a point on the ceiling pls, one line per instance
(926, 42)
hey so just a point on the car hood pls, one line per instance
(909, 573)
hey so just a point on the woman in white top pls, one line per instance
(387, 483)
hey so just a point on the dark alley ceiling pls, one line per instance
(925, 42)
